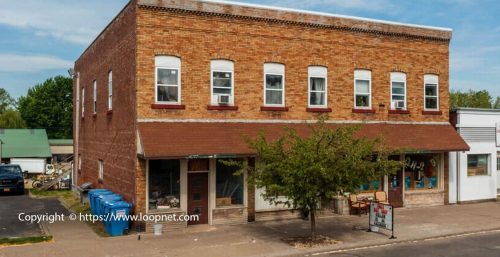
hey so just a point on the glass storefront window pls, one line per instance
(229, 188)
(373, 186)
(477, 165)
(421, 171)
(164, 184)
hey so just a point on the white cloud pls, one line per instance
(31, 63)
(72, 21)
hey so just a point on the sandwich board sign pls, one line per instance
(381, 216)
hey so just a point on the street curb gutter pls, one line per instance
(411, 241)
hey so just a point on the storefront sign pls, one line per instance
(498, 134)
(381, 216)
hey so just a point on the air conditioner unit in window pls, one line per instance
(399, 105)
(223, 99)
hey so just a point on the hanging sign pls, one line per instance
(381, 216)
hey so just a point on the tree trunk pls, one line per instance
(313, 225)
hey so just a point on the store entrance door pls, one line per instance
(198, 197)
(396, 189)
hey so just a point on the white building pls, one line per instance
(474, 175)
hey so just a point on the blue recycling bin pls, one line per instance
(101, 199)
(92, 195)
(118, 213)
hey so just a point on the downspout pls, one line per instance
(76, 156)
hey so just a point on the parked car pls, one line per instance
(11, 178)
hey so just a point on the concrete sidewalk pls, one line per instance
(265, 238)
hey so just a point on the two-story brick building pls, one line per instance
(170, 87)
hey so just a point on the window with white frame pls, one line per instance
(477, 165)
(362, 89)
(222, 82)
(95, 96)
(100, 164)
(168, 79)
(110, 90)
(498, 161)
(431, 92)
(318, 86)
(274, 84)
(398, 90)
(83, 101)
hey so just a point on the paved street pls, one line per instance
(481, 245)
(12, 205)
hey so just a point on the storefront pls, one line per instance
(187, 177)
(205, 187)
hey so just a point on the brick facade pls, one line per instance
(199, 32)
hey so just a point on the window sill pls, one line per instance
(94, 115)
(424, 191)
(432, 113)
(165, 211)
(273, 109)
(320, 109)
(222, 108)
(357, 110)
(399, 112)
(168, 106)
(236, 206)
(109, 112)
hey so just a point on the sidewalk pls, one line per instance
(264, 238)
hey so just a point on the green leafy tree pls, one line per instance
(6, 101)
(329, 162)
(11, 119)
(471, 98)
(49, 105)
(497, 103)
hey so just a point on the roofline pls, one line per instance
(275, 8)
(469, 109)
(103, 30)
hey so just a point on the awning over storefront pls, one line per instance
(212, 139)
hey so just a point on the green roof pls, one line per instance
(24, 143)
(60, 142)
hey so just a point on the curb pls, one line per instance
(409, 241)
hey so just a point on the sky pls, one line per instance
(43, 38)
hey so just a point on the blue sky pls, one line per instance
(42, 38)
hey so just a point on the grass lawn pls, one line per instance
(24, 240)
(73, 204)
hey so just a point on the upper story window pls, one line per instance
(83, 101)
(95, 96)
(317, 86)
(167, 79)
(222, 82)
(274, 84)
(398, 90)
(362, 89)
(110, 90)
(431, 92)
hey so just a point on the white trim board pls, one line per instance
(166, 120)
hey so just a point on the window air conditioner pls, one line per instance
(223, 99)
(399, 105)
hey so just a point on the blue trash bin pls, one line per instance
(118, 222)
(100, 199)
(92, 194)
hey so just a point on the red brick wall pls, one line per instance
(110, 136)
(198, 39)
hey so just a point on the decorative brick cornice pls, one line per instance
(372, 28)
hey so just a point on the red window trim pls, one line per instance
(369, 111)
(320, 109)
(432, 113)
(273, 109)
(168, 106)
(222, 107)
(399, 112)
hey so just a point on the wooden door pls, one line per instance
(395, 194)
(198, 197)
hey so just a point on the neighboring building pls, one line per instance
(26, 147)
(474, 174)
(171, 87)
(62, 150)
